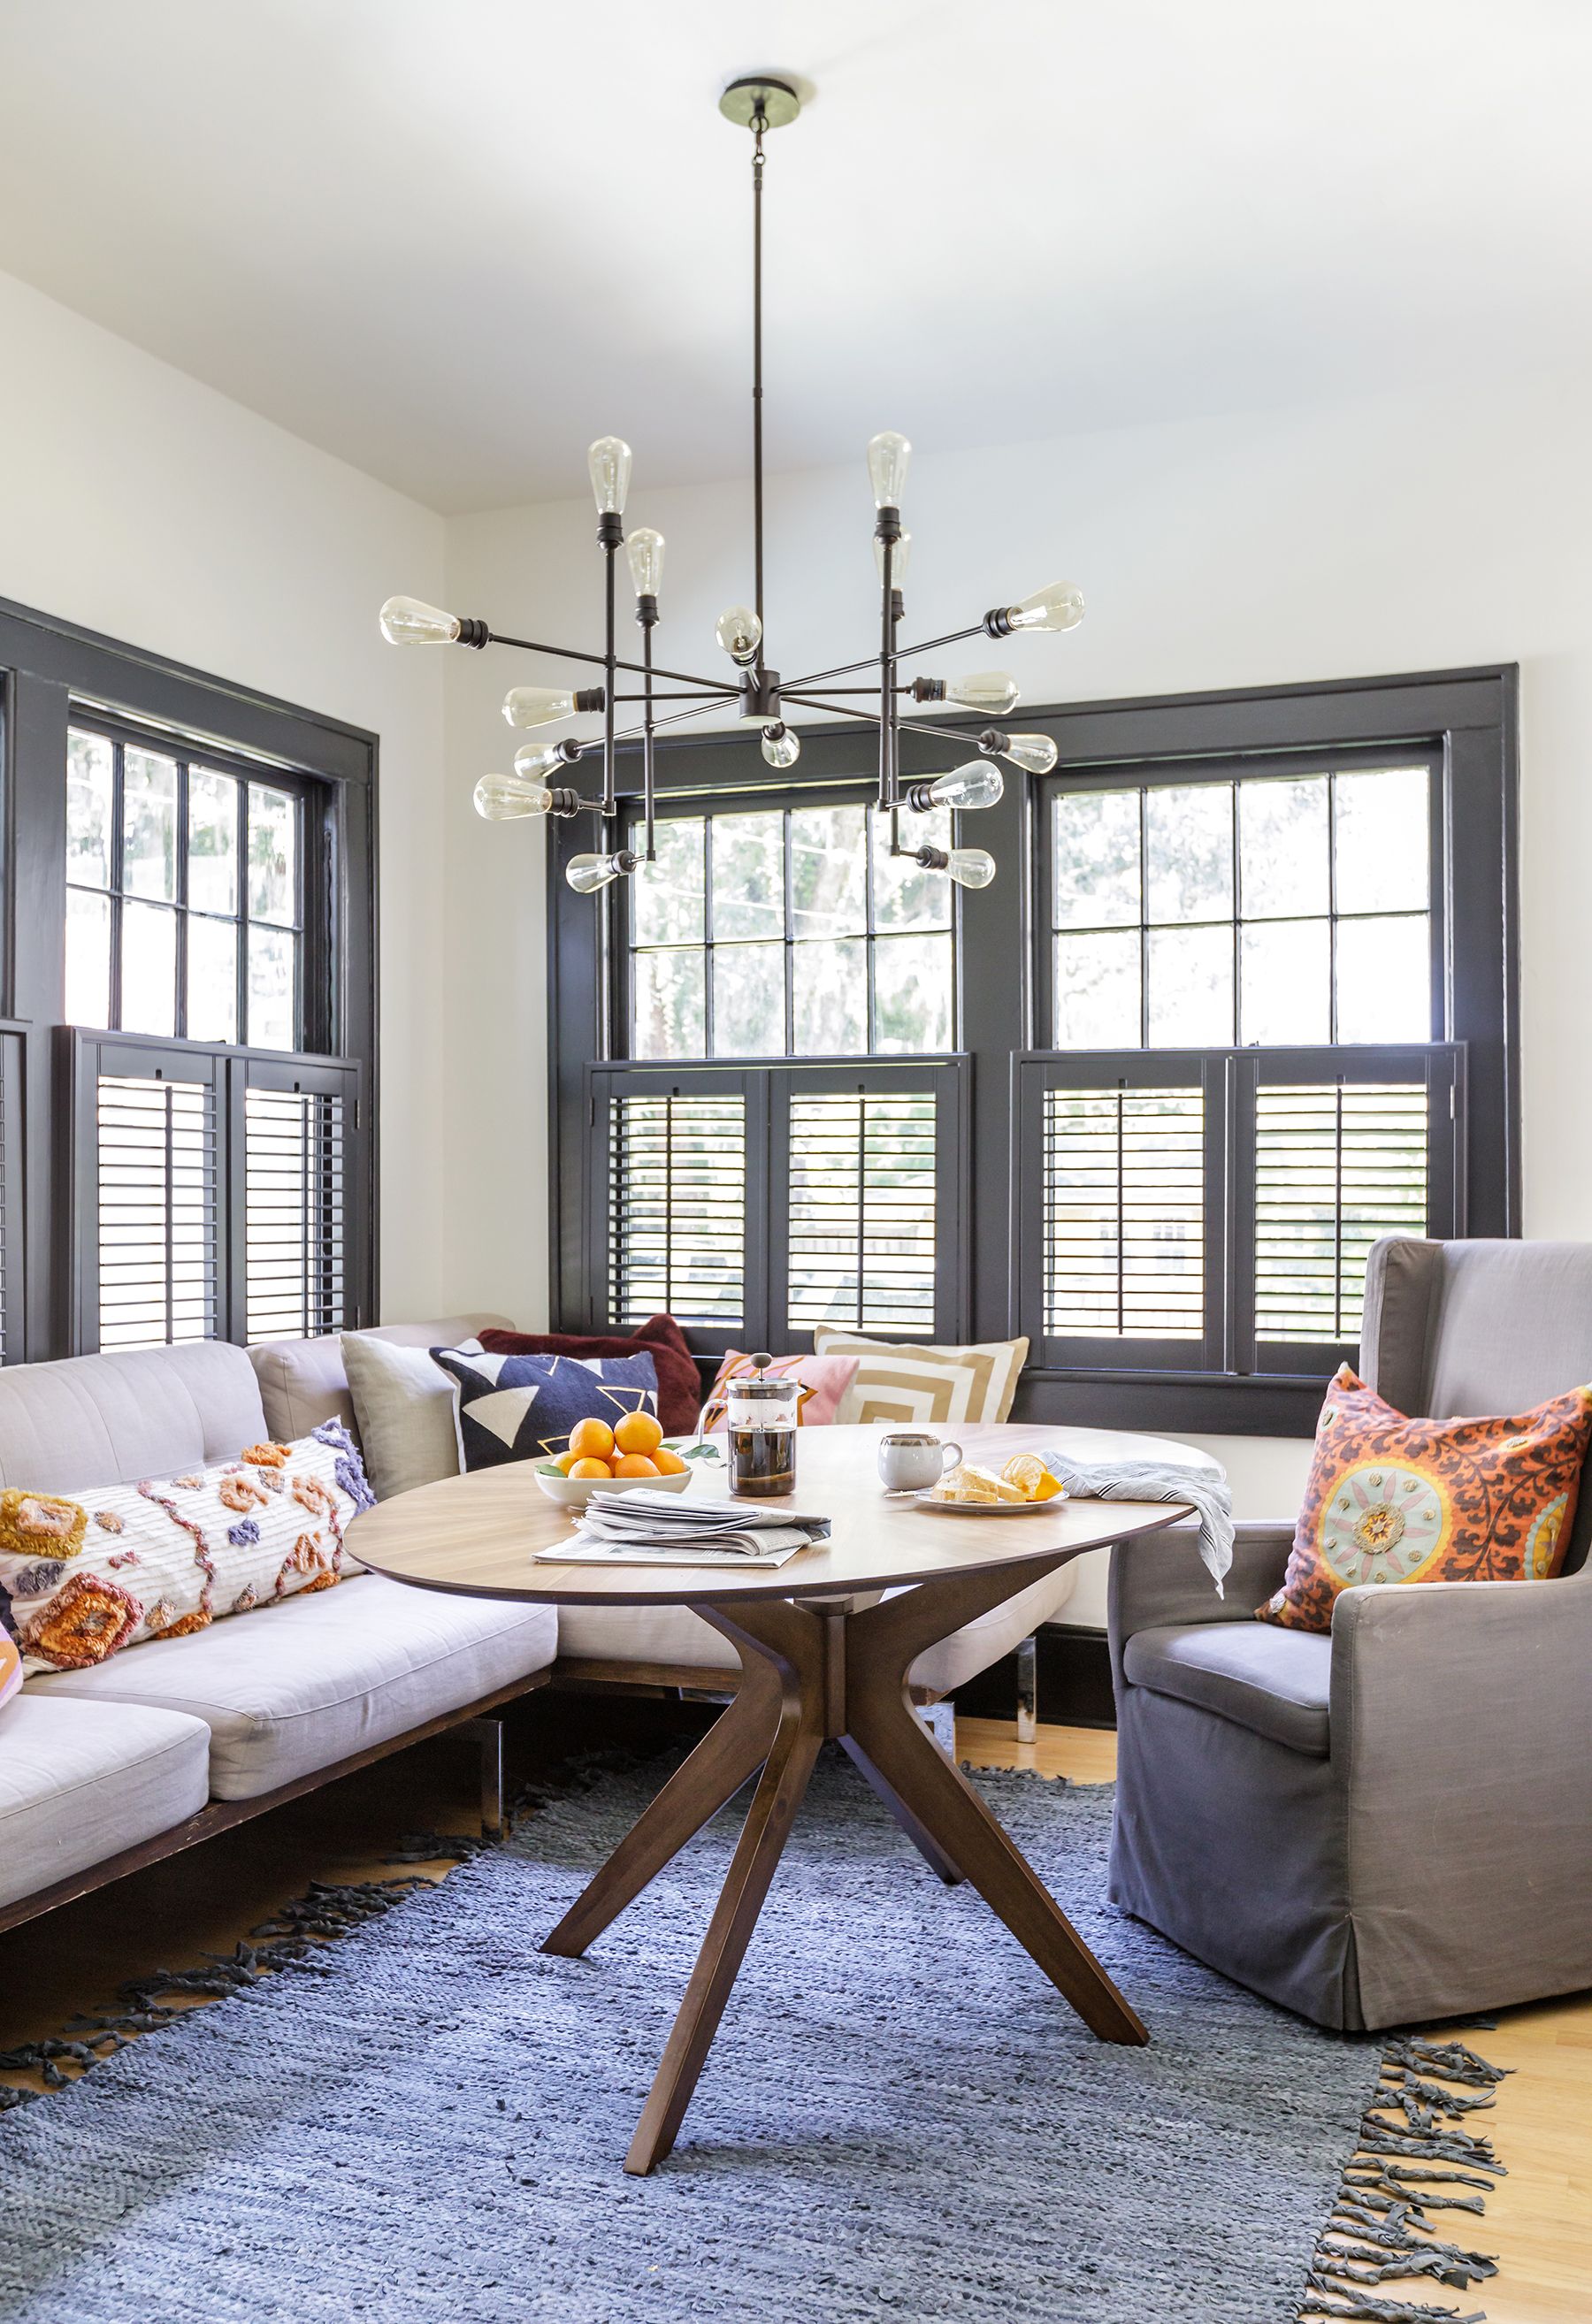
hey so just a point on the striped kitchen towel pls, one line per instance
(1159, 1480)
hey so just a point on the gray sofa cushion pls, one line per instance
(1275, 1683)
(294, 1687)
(82, 1781)
(303, 1382)
(110, 1420)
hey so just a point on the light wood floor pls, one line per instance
(1539, 2220)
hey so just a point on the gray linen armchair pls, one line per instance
(1393, 1823)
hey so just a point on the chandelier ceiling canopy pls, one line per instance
(541, 782)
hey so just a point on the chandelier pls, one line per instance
(541, 781)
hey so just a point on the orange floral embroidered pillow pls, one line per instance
(1394, 1499)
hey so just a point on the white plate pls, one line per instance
(989, 1508)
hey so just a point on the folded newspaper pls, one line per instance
(649, 1528)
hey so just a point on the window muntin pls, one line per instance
(790, 931)
(1261, 910)
(185, 896)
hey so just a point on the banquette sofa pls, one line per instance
(107, 1768)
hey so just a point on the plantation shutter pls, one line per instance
(676, 1186)
(11, 1194)
(149, 1176)
(295, 1130)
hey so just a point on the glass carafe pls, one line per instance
(760, 1419)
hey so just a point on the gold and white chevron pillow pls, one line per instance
(906, 1383)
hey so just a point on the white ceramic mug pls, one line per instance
(911, 1460)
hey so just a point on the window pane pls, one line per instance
(749, 875)
(829, 872)
(1097, 992)
(149, 966)
(1190, 988)
(1286, 982)
(272, 1002)
(1283, 849)
(912, 991)
(149, 826)
(1189, 852)
(669, 1008)
(748, 997)
(666, 897)
(1384, 840)
(832, 997)
(1385, 979)
(212, 843)
(89, 781)
(273, 864)
(212, 980)
(903, 895)
(1095, 859)
(88, 958)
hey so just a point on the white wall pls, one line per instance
(135, 502)
(1376, 537)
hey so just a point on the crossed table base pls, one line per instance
(812, 1671)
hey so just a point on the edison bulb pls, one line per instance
(407, 622)
(976, 785)
(645, 548)
(888, 455)
(503, 798)
(537, 705)
(780, 748)
(535, 759)
(607, 463)
(994, 691)
(740, 633)
(1059, 607)
(970, 867)
(1036, 754)
(588, 874)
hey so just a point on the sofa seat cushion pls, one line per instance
(82, 1781)
(673, 1634)
(1277, 1682)
(300, 1685)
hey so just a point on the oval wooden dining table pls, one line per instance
(824, 1656)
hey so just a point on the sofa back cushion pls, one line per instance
(303, 1382)
(680, 1379)
(110, 1420)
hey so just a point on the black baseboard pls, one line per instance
(1074, 1681)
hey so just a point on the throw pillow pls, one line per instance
(523, 1408)
(824, 1382)
(406, 1408)
(680, 1382)
(11, 1669)
(97, 1572)
(909, 1383)
(1394, 1499)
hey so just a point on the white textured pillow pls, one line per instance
(119, 1565)
(902, 1382)
(407, 1408)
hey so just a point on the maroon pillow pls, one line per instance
(680, 1383)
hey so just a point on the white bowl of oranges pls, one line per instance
(612, 1460)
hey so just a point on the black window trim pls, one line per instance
(1467, 716)
(52, 672)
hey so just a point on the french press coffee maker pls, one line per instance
(761, 1419)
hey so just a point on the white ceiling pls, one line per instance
(452, 240)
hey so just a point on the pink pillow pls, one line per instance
(11, 1669)
(824, 1378)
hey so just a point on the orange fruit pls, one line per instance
(667, 1464)
(564, 1460)
(591, 1440)
(1048, 1487)
(634, 1464)
(590, 1468)
(638, 1432)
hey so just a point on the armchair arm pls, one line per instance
(1157, 1578)
(1461, 1720)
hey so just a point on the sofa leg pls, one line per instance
(488, 1733)
(1027, 1690)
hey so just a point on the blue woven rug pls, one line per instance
(900, 2117)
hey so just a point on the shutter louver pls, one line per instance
(155, 1154)
(1337, 1167)
(678, 1209)
(1124, 1224)
(861, 1235)
(294, 1215)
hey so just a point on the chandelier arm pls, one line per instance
(759, 123)
(698, 710)
(902, 653)
(905, 726)
(573, 653)
(695, 694)
(610, 550)
(648, 798)
(889, 601)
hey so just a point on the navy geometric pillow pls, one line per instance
(523, 1408)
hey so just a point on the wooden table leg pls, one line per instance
(733, 1748)
(799, 1659)
(923, 1839)
(882, 1643)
